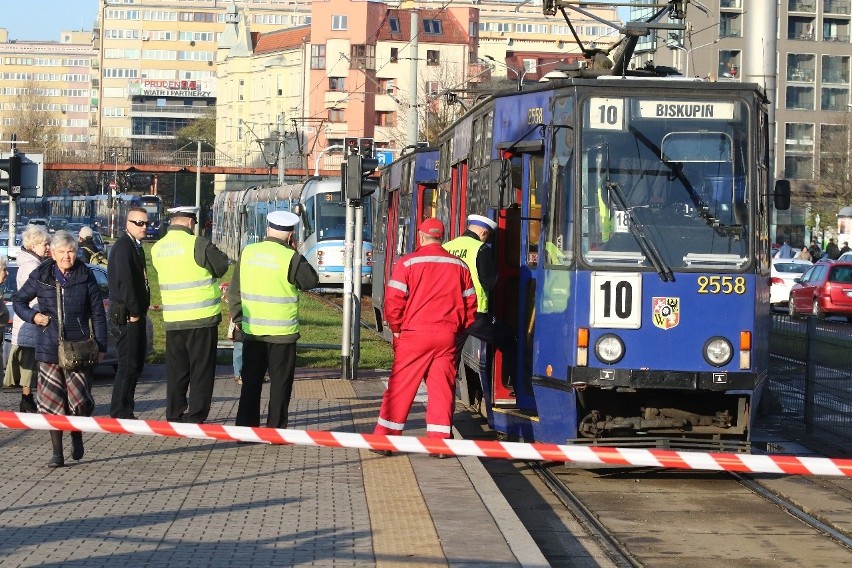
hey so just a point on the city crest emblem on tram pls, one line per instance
(665, 312)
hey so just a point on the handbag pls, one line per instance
(74, 355)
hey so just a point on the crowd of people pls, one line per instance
(812, 253)
(436, 297)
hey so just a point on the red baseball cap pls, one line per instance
(432, 227)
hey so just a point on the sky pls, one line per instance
(44, 20)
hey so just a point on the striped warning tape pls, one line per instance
(746, 463)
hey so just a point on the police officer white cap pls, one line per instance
(282, 220)
(184, 211)
(481, 221)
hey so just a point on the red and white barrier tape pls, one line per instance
(598, 455)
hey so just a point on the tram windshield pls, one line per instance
(664, 184)
(331, 217)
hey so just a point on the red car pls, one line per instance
(824, 290)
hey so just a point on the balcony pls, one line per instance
(800, 75)
(837, 7)
(808, 6)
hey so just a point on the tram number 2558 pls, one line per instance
(616, 300)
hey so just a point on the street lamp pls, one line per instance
(689, 52)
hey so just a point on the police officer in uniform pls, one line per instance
(187, 267)
(472, 247)
(264, 303)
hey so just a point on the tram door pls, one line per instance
(516, 246)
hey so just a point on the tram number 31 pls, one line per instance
(616, 300)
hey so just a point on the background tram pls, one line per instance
(633, 249)
(239, 219)
(153, 204)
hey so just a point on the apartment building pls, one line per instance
(47, 82)
(812, 110)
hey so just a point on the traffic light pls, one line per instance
(365, 147)
(11, 184)
(350, 145)
(358, 182)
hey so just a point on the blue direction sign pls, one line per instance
(384, 157)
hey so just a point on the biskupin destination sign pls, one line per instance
(686, 109)
(171, 88)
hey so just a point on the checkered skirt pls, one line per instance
(64, 392)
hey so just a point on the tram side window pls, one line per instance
(308, 219)
(535, 198)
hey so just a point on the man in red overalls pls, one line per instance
(429, 301)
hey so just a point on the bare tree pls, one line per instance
(833, 185)
(32, 119)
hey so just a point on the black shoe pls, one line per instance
(385, 453)
(77, 446)
(439, 456)
(28, 404)
(58, 460)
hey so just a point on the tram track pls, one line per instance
(694, 504)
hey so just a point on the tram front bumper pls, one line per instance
(667, 380)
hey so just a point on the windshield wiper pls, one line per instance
(637, 229)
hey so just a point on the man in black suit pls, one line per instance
(129, 297)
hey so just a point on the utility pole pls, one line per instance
(198, 186)
(413, 116)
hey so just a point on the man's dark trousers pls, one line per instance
(131, 342)
(280, 360)
(190, 365)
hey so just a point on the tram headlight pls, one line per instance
(718, 351)
(609, 348)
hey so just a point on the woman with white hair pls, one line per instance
(66, 279)
(21, 368)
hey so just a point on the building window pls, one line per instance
(336, 84)
(834, 29)
(799, 27)
(433, 57)
(432, 26)
(835, 69)
(363, 56)
(394, 54)
(386, 118)
(339, 23)
(432, 87)
(834, 99)
(336, 115)
(386, 86)
(318, 57)
(798, 167)
(799, 137)
(729, 64)
(800, 98)
(730, 25)
(801, 67)
(393, 23)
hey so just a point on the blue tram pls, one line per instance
(633, 246)
(239, 218)
(408, 193)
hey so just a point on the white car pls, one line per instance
(784, 273)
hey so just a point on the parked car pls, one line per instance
(109, 364)
(56, 224)
(784, 274)
(38, 221)
(825, 289)
(845, 257)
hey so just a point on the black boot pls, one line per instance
(28, 403)
(76, 446)
(58, 460)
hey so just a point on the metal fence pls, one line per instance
(811, 373)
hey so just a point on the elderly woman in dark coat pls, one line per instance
(61, 391)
